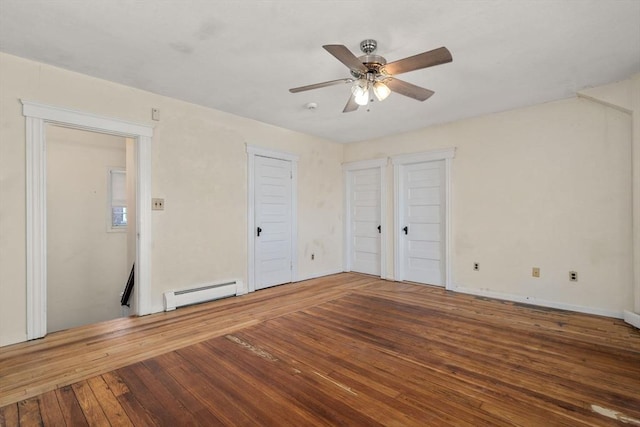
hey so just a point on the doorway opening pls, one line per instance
(38, 116)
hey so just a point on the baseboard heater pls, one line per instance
(175, 299)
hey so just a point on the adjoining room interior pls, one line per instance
(88, 256)
(459, 245)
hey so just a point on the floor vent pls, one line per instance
(175, 299)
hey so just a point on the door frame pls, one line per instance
(252, 152)
(37, 116)
(347, 169)
(399, 162)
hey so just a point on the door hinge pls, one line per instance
(291, 174)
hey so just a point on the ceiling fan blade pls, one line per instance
(408, 89)
(419, 61)
(319, 85)
(345, 56)
(351, 105)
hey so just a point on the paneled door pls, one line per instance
(273, 222)
(422, 209)
(365, 221)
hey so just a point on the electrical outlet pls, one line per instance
(155, 114)
(573, 276)
(476, 266)
(157, 204)
(313, 256)
(535, 272)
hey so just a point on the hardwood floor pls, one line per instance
(347, 349)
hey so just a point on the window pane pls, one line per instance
(119, 216)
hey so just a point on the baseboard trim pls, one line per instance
(12, 339)
(632, 318)
(540, 302)
(321, 274)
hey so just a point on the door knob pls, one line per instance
(259, 230)
(406, 230)
(379, 229)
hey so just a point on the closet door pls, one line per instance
(422, 225)
(365, 221)
(273, 221)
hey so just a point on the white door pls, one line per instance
(365, 227)
(422, 222)
(273, 219)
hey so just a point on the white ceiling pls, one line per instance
(242, 56)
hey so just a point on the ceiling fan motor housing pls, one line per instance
(373, 63)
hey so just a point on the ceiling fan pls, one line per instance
(371, 73)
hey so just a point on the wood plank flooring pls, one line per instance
(347, 349)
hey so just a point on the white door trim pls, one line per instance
(37, 116)
(347, 168)
(252, 152)
(398, 202)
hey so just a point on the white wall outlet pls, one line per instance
(155, 114)
(476, 266)
(573, 276)
(157, 204)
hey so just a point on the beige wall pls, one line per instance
(199, 165)
(547, 186)
(625, 96)
(86, 263)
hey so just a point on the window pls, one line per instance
(117, 199)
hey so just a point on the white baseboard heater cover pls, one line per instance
(174, 299)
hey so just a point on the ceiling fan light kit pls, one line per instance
(360, 91)
(371, 73)
(381, 91)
